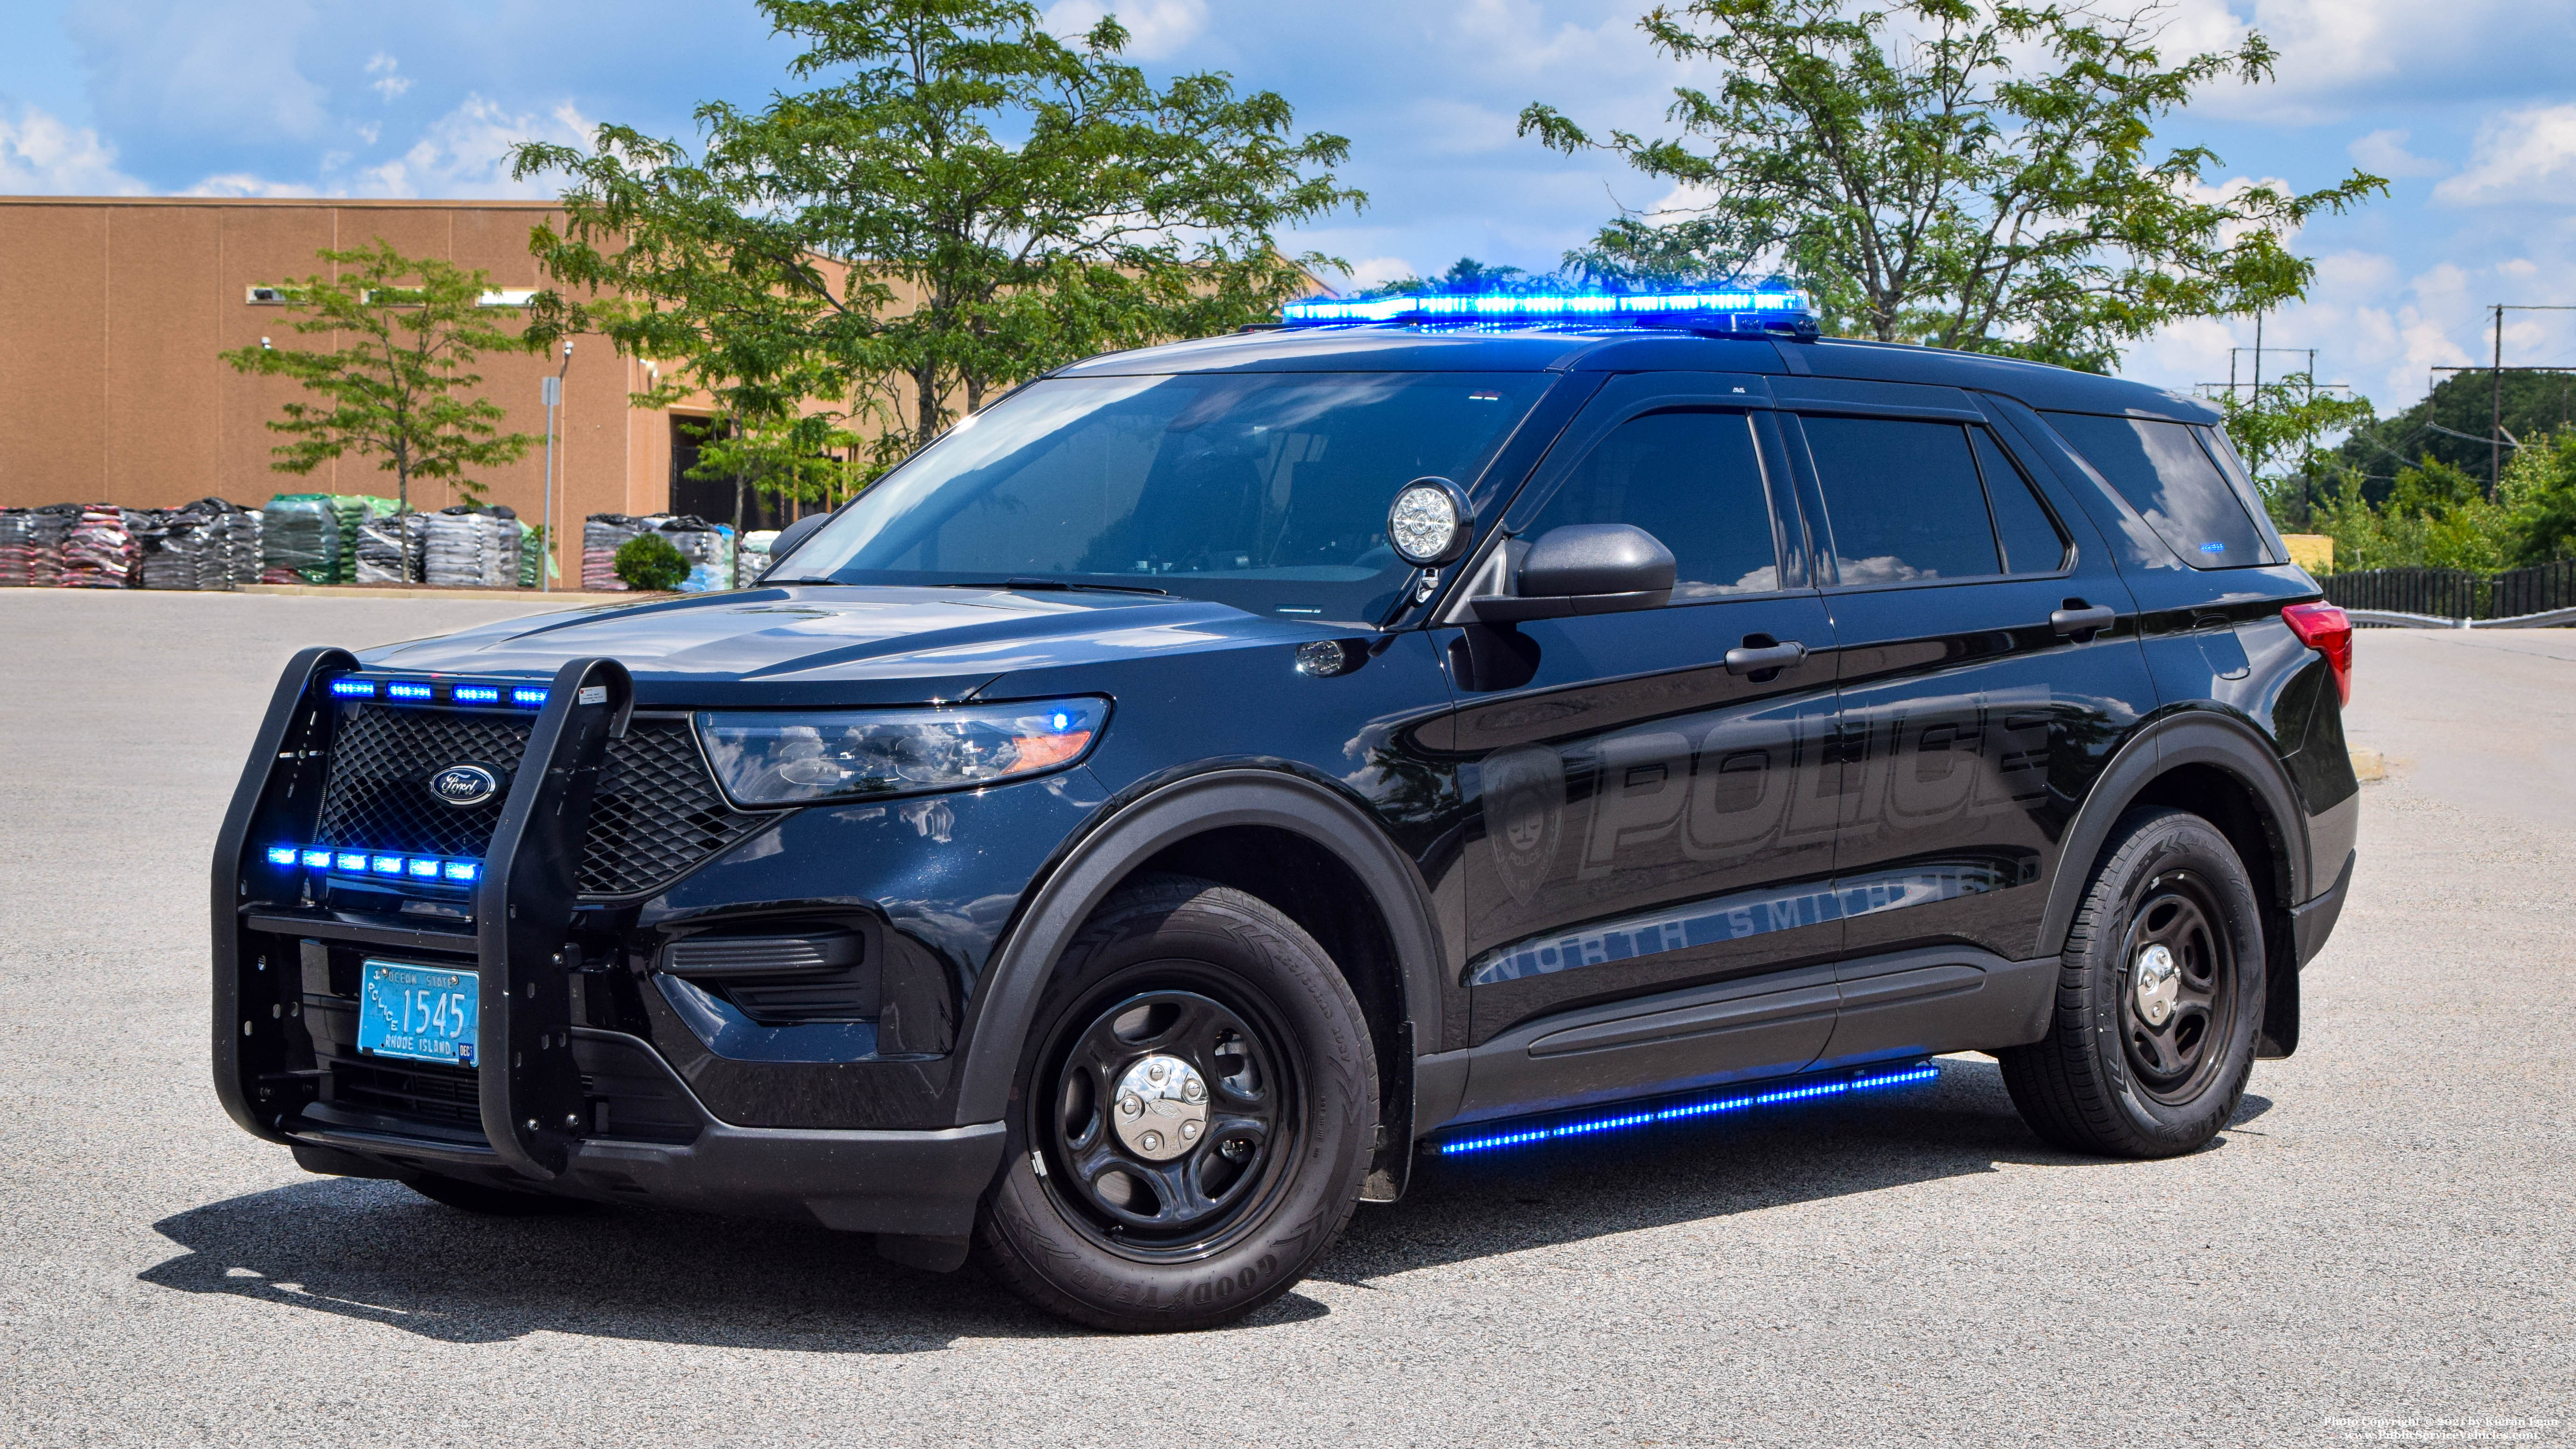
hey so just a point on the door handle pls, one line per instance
(2081, 618)
(1755, 658)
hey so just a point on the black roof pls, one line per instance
(1383, 347)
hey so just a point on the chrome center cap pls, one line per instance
(1161, 1108)
(2159, 984)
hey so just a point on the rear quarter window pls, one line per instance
(2166, 474)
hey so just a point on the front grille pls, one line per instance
(656, 813)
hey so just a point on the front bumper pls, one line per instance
(915, 1183)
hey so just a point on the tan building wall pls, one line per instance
(112, 312)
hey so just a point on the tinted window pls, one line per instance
(2032, 544)
(1267, 491)
(1902, 499)
(1694, 481)
(2163, 472)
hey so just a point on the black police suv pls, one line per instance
(1136, 829)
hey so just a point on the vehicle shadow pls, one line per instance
(378, 1252)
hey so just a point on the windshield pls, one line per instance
(1266, 491)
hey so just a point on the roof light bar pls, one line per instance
(1749, 309)
(1649, 1114)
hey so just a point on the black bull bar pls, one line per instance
(530, 1088)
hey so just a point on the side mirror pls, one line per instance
(1586, 568)
(792, 535)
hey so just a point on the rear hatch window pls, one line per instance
(2165, 473)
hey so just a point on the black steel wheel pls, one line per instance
(1192, 1119)
(2160, 991)
(2176, 1005)
(1172, 1115)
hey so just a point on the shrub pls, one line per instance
(649, 562)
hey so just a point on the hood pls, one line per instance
(840, 645)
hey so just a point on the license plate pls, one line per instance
(419, 1013)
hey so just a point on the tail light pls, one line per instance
(2327, 630)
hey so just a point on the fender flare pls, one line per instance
(2193, 737)
(1067, 894)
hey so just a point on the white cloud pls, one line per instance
(1375, 271)
(2383, 153)
(243, 183)
(1155, 28)
(2522, 155)
(466, 153)
(386, 83)
(40, 156)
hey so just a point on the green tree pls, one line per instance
(962, 201)
(1923, 189)
(2276, 427)
(2453, 423)
(2539, 496)
(399, 388)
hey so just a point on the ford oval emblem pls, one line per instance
(465, 785)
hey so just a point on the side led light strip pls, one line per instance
(1686, 1108)
(362, 862)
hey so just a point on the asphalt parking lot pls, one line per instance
(2383, 1244)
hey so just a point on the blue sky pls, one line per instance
(2468, 105)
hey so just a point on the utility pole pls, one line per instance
(550, 389)
(2495, 407)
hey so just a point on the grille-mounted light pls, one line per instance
(475, 694)
(354, 688)
(411, 690)
(281, 855)
(528, 698)
(1683, 1109)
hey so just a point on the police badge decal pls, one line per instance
(1524, 791)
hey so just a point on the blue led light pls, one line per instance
(475, 694)
(350, 861)
(528, 698)
(1734, 309)
(354, 688)
(1683, 1110)
(405, 689)
(385, 864)
(463, 870)
(317, 860)
(1060, 721)
(422, 869)
(281, 855)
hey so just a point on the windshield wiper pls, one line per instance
(1025, 583)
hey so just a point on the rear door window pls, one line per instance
(2031, 540)
(2164, 473)
(1694, 481)
(1902, 499)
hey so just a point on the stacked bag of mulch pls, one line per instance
(99, 552)
(232, 555)
(470, 547)
(752, 556)
(602, 535)
(388, 548)
(707, 546)
(299, 540)
(31, 545)
(208, 544)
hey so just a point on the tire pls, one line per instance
(2113, 1076)
(1181, 997)
(498, 1202)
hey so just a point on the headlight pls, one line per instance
(784, 758)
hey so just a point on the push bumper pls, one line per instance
(530, 1125)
